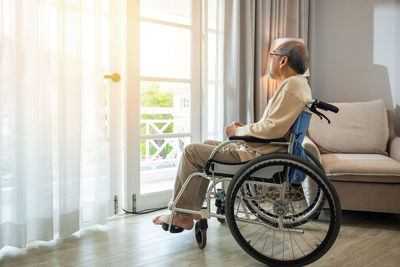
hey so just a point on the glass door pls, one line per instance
(162, 96)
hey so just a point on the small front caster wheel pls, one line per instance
(221, 210)
(200, 231)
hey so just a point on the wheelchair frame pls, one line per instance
(206, 213)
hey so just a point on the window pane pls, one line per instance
(177, 11)
(159, 160)
(164, 51)
(165, 107)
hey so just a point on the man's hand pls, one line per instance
(237, 123)
(230, 130)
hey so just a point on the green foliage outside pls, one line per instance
(150, 96)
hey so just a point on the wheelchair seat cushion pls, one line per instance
(223, 169)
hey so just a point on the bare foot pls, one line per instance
(197, 216)
(184, 221)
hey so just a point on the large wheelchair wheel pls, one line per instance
(313, 159)
(274, 223)
(304, 211)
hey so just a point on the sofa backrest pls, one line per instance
(359, 127)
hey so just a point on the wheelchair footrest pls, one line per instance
(174, 229)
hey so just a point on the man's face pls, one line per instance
(273, 64)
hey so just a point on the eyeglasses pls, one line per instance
(274, 54)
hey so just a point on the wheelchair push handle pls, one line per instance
(326, 106)
(315, 103)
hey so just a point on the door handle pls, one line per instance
(115, 77)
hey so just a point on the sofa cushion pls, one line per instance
(361, 168)
(360, 127)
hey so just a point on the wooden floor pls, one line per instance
(365, 239)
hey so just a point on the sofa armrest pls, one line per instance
(395, 148)
(309, 145)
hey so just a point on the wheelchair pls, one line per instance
(280, 207)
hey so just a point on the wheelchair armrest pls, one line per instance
(219, 147)
(253, 139)
(235, 139)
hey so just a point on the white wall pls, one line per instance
(356, 51)
(386, 44)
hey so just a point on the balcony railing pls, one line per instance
(163, 140)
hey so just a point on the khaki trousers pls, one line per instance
(194, 159)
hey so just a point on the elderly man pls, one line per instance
(288, 63)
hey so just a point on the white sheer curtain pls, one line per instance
(54, 161)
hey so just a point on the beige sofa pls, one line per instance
(360, 154)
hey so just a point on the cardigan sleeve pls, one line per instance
(284, 112)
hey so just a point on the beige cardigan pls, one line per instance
(281, 112)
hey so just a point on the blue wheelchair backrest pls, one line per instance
(299, 128)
